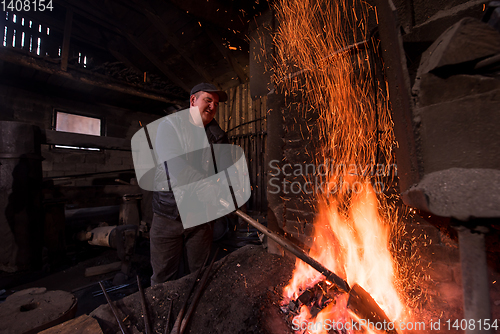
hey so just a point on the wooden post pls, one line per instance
(66, 39)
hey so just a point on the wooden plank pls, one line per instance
(66, 39)
(53, 137)
(81, 325)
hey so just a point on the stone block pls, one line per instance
(460, 133)
(77, 157)
(460, 193)
(114, 161)
(303, 217)
(121, 154)
(423, 232)
(431, 89)
(294, 227)
(46, 165)
(109, 167)
(86, 168)
(97, 158)
(450, 292)
(441, 272)
(57, 156)
(53, 173)
(436, 253)
(466, 41)
(457, 273)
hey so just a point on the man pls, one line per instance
(168, 238)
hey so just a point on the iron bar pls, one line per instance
(180, 316)
(113, 309)
(197, 295)
(147, 324)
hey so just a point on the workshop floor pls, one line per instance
(70, 276)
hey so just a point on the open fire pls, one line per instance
(355, 245)
(353, 227)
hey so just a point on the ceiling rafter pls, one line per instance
(95, 80)
(172, 39)
(96, 16)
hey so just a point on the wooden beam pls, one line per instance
(84, 324)
(120, 57)
(66, 39)
(96, 16)
(217, 40)
(18, 57)
(79, 140)
(171, 37)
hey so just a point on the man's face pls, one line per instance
(207, 104)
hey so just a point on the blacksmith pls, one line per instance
(170, 241)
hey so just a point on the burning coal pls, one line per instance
(319, 58)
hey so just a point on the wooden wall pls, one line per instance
(244, 120)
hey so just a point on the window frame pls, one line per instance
(77, 113)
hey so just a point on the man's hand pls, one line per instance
(208, 193)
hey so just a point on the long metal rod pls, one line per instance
(330, 276)
(167, 325)
(177, 325)
(113, 309)
(147, 325)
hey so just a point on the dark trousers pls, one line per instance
(168, 239)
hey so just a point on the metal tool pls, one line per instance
(113, 309)
(171, 300)
(197, 295)
(180, 316)
(147, 325)
(360, 301)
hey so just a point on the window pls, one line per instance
(77, 124)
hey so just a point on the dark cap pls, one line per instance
(206, 87)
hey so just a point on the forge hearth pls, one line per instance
(242, 295)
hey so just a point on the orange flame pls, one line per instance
(353, 225)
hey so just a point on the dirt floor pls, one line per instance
(241, 296)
